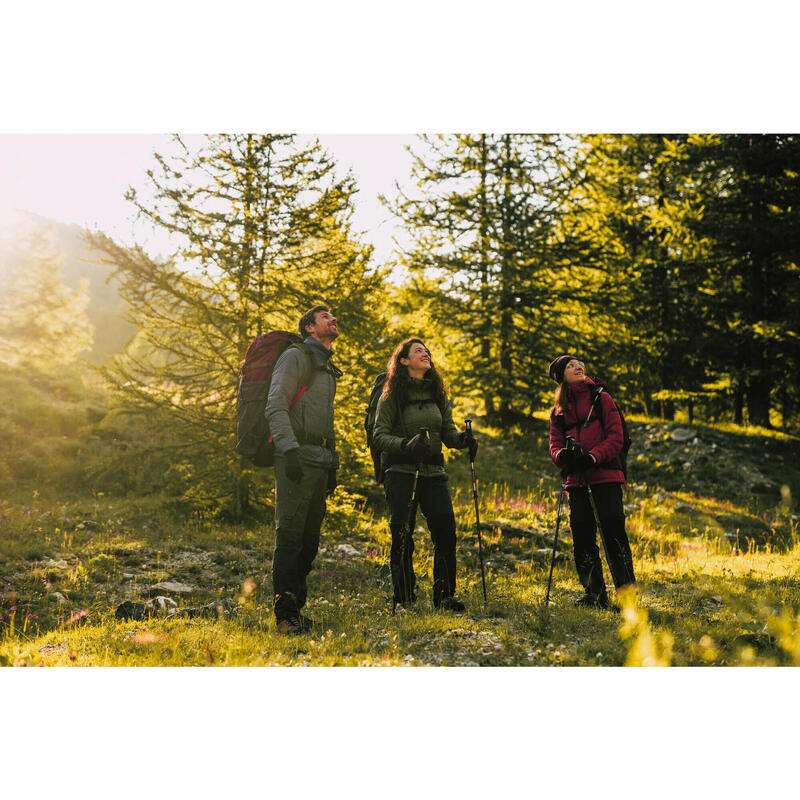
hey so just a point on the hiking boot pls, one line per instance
(450, 604)
(404, 605)
(306, 623)
(289, 626)
(592, 601)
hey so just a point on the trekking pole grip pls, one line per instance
(468, 425)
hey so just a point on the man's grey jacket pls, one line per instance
(310, 422)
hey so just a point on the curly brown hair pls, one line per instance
(397, 377)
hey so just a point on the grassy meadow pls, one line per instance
(711, 522)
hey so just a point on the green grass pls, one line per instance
(718, 574)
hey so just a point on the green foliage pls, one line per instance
(47, 422)
(265, 232)
(489, 265)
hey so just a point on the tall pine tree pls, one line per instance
(749, 186)
(487, 259)
(262, 224)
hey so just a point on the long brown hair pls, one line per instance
(561, 391)
(398, 379)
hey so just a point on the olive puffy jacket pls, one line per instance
(392, 427)
(602, 437)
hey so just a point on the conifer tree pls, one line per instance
(486, 257)
(42, 321)
(262, 224)
(635, 209)
(749, 186)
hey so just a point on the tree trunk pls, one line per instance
(507, 283)
(738, 406)
(785, 408)
(758, 403)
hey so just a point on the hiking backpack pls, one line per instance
(253, 439)
(369, 423)
(622, 459)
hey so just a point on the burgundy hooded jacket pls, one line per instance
(602, 437)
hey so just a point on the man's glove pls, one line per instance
(583, 462)
(332, 482)
(293, 469)
(467, 440)
(416, 448)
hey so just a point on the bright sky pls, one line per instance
(82, 179)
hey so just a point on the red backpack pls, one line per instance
(253, 439)
(620, 461)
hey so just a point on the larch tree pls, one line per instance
(486, 258)
(262, 225)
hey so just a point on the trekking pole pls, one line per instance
(599, 527)
(410, 517)
(477, 515)
(569, 447)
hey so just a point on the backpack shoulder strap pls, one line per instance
(307, 376)
(597, 406)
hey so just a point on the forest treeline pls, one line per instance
(669, 262)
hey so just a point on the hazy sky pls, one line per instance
(82, 179)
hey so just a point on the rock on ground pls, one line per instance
(173, 586)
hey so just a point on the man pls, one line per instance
(305, 460)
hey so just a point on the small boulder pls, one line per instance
(160, 606)
(682, 435)
(173, 586)
(347, 550)
(683, 508)
(130, 610)
(59, 598)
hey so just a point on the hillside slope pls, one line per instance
(718, 567)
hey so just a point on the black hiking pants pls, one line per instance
(608, 499)
(299, 511)
(434, 501)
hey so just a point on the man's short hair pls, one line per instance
(309, 318)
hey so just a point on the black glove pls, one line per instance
(293, 469)
(565, 459)
(583, 462)
(332, 482)
(467, 440)
(416, 448)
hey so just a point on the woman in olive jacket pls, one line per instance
(414, 397)
(596, 429)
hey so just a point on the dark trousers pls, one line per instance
(608, 499)
(434, 501)
(299, 511)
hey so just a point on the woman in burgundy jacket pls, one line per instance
(596, 430)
